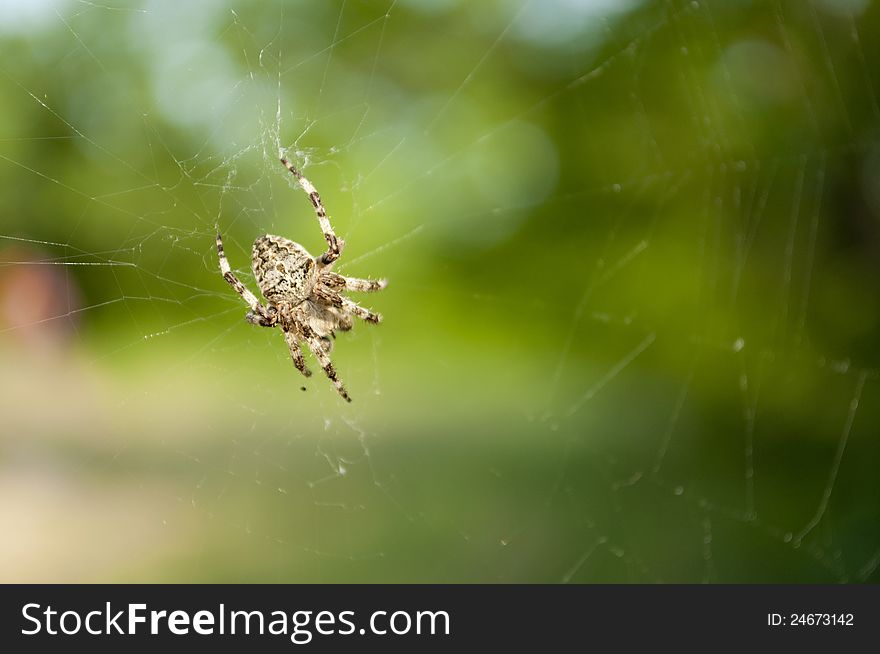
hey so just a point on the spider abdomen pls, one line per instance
(284, 270)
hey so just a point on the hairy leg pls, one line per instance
(334, 245)
(296, 353)
(323, 358)
(364, 285)
(337, 281)
(360, 312)
(331, 297)
(266, 319)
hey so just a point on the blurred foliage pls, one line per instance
(633, 322)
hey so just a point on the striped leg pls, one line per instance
(265, 318)
(360, 312)
(331, 297)
(334, 245)
(296, 354)
(323, 358)
(337, 282)
(364, 285)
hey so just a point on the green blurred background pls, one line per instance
(632, 327)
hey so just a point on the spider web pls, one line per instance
(632, 322)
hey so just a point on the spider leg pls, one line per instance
(364, 285)
(261, 315)
(335, 280)
(296, 353)
(257, 319)
(331, 297)
(360, 312)
(323, 358)
(334, 245)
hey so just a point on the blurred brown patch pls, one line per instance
(39, 300)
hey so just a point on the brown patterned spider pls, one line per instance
(303, 296)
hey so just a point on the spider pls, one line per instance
(303, 296)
